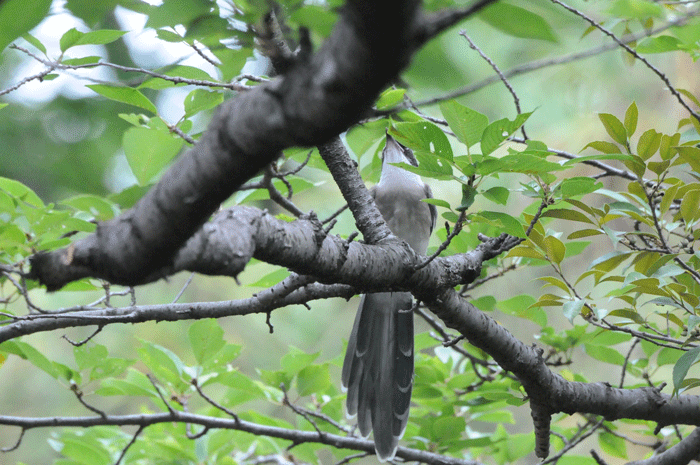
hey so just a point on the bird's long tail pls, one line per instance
(378, 368)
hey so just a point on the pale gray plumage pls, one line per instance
(378, 365)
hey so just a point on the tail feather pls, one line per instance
(378, 368)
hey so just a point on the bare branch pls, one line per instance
(295, 436)
(131, 443)
(503, 79)
(634, 53)
(545, 63)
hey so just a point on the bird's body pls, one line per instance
(378, 365)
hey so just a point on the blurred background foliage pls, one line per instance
(82, 148)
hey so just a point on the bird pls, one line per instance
(378, 366)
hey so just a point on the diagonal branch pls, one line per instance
(320, 96)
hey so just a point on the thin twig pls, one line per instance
(154, 382)
(501, 76)
(184, 286)
(634, 53)
(212, 401)
(174, 79)
(446, 243)
(15, 446)
(131, 443)
(545, 63)
(84, 341)
(627, 359)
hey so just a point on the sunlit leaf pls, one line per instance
(124, 95)
(148, 151)
(517, 22)
(631, 116)
(467, 124)
(206, 339)
(616, 130)
(16, 19)
(680, 369)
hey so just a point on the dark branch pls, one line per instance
(296, 436)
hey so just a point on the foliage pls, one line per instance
(609, 234)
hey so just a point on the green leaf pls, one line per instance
(616, 130)
(517, 22)
(613, 445)
(82, 61)
(635, 9)
(467, 124)
(523, 306)
(206, 338)
(668, 146)
(295, 360)
(526, 252)
(148, 151)
(169, 36)
(173, 12)
(163, 363)
(448, 428)
(648, 144)
(73, 38)
(134, 384)
(362, 137)
(680, 369)
(605, 354)
(555, 249)
(690, 206)
(313, 379)
(423, 136)
(96, 206)
(578, 185)
(509, 224)
(497, 194)
(125, 95)
(572, 309)
(438, 203)
(609, 261)
(660, 44)
(28, 352)
(500, 130)
(83, 451)
(390, 98)
(96, 359)
(181, 71)
(200, 100)
(69, 38)
(690, 155)
(16, 18)
(566, 214)
(631, 116)
(34, 41)
(468, 196)
(601, 146)
(242, 387)
(20, 191)
(519, 162)
(271, 278)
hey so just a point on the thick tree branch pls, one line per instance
(317, 98)
(683, 452)
(225, 245)
(546, 388)
(344, 171)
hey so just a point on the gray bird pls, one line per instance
(378, 365)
